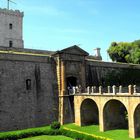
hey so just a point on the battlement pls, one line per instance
(11, 12)
(114, 90)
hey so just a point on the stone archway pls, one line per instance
(115, 115)
(137, 121)
(89, 112)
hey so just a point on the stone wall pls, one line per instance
(108, 74)
(28, 91)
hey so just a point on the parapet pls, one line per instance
(109, 90)
(11, 12)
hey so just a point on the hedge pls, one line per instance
(14, 135)
(81, 135)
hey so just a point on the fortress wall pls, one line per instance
(28, 91)
(107, 73)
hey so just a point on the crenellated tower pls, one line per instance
(11, 28)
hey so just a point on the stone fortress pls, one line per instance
(39, 87)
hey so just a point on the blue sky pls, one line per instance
(57, 24)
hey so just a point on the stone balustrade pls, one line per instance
(109, 90)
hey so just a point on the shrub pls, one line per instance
(14, 135)
(55, 125)
(80, 135)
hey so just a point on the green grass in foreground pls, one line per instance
(58, 137)
(94, 129)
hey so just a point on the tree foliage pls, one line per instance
(126, 52)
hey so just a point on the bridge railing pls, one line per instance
(109, 90)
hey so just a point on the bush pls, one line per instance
(14, 135)
(55, 125)
(80, 135)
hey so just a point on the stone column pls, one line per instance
(120, 89)
(108, 89)
(62, 93)
(93, 89)
(135, 91)
(88, 90)
(131, 126)
(58, 68)
(63, 78)
(130, 89)
(101, 119)
(61, 110)
(74, 90)
(77, 104)
(100, 90)
(114, 89)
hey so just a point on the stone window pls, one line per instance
(10, 43)
(10, 26)
(28, 84)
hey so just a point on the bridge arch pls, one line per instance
(137, 121)
(115, 115)
(89, 112)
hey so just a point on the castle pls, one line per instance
(34, 84)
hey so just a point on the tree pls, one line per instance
(126, 52)
(119, 52)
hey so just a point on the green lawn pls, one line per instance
(43, 137)
(94, 129)
(45, 133)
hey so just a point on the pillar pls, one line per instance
(109, 89)
(130, 90)
(100, 90)
(101, 116)
(63, 78)
(114, 89)
(62, 92)
(131, 125)
(120, 89)
(77, 104)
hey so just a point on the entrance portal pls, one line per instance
(71, 81)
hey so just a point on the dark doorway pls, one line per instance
(71, 81)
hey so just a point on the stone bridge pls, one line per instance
(109, 110)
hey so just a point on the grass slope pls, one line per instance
(94, 129)
(48, 138)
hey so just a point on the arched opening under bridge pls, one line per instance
(137, 121)
(89, 112)
(115, 115)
